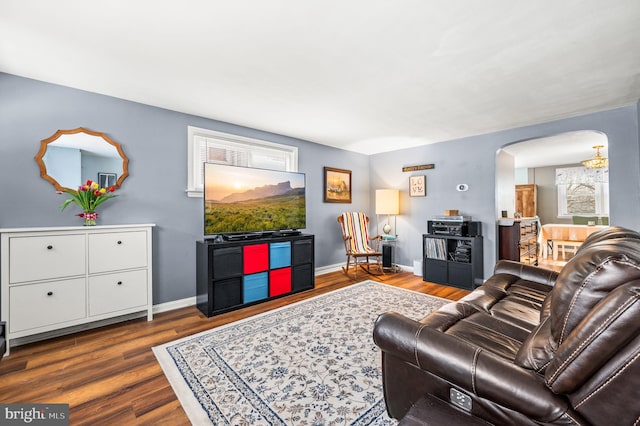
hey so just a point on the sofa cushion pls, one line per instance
(485, 331)
(511, 299)
(538, 349)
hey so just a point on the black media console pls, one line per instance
(235, 273)
(452, 260)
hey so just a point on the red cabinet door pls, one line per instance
(256, 258)
(279, 281)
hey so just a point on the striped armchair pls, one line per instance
(359, 247)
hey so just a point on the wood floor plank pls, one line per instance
(109, 375)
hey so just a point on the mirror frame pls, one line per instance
(43, 149)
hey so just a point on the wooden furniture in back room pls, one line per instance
(55, 278)
(526, 200)
(518, 240)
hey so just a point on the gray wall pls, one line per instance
(547, 203)
(155, 140)
(505, 183)
(472, 161)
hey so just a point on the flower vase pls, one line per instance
(89, 218)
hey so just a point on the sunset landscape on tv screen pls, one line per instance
(243, 199)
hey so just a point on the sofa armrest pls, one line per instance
(526, 272)
(468, 367)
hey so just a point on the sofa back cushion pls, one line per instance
(592, 274)
(589, 277)
(601, 339)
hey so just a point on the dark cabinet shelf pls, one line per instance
(518, 240)
(452, 260)
(234, 274)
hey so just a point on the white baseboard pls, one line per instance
(338, 267)
(191, 301)
(174, 304)
(329, 268)
(162, 307)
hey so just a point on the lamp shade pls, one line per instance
(387, 201)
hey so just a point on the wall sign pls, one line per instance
(418, 186)
(416, 168)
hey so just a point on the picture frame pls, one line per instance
(107, 180)
(337, 185)
(418, 186)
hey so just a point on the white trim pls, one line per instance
(329, 268)
(95, 228)
(338, 267)
(191, 301)
(18, 341)
(193, 181)
(162, 307)
(174, 304)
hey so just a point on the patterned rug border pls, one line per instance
(182, 389)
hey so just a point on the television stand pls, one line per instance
(234, 274)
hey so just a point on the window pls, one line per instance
(582, 191)
(223, 148)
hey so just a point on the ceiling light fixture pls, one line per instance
(597, 162)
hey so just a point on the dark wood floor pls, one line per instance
(110, 376)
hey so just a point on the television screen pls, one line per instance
(244, 200)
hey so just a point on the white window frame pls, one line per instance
(248, 149)
(601, 194)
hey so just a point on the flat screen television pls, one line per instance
(244, 200)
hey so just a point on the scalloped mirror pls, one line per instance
(69, 157)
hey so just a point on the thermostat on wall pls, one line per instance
(462, 187)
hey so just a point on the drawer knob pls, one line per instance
(49, 293)
(119, 282)
(119, 242)
(49, 247)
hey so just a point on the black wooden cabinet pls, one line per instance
(452, 260)
(234, 274)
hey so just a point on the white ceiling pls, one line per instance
(562, 149)
(363, 75)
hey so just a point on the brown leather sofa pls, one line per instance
(528, 347)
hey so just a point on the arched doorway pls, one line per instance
(564, 189)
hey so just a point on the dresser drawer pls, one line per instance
(117, 292)
(46, 304)
(33, 258)
(118, 250)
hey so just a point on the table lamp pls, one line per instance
(387, 202)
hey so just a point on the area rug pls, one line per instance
(309, 363)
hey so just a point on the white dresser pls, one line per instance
(54, 278)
